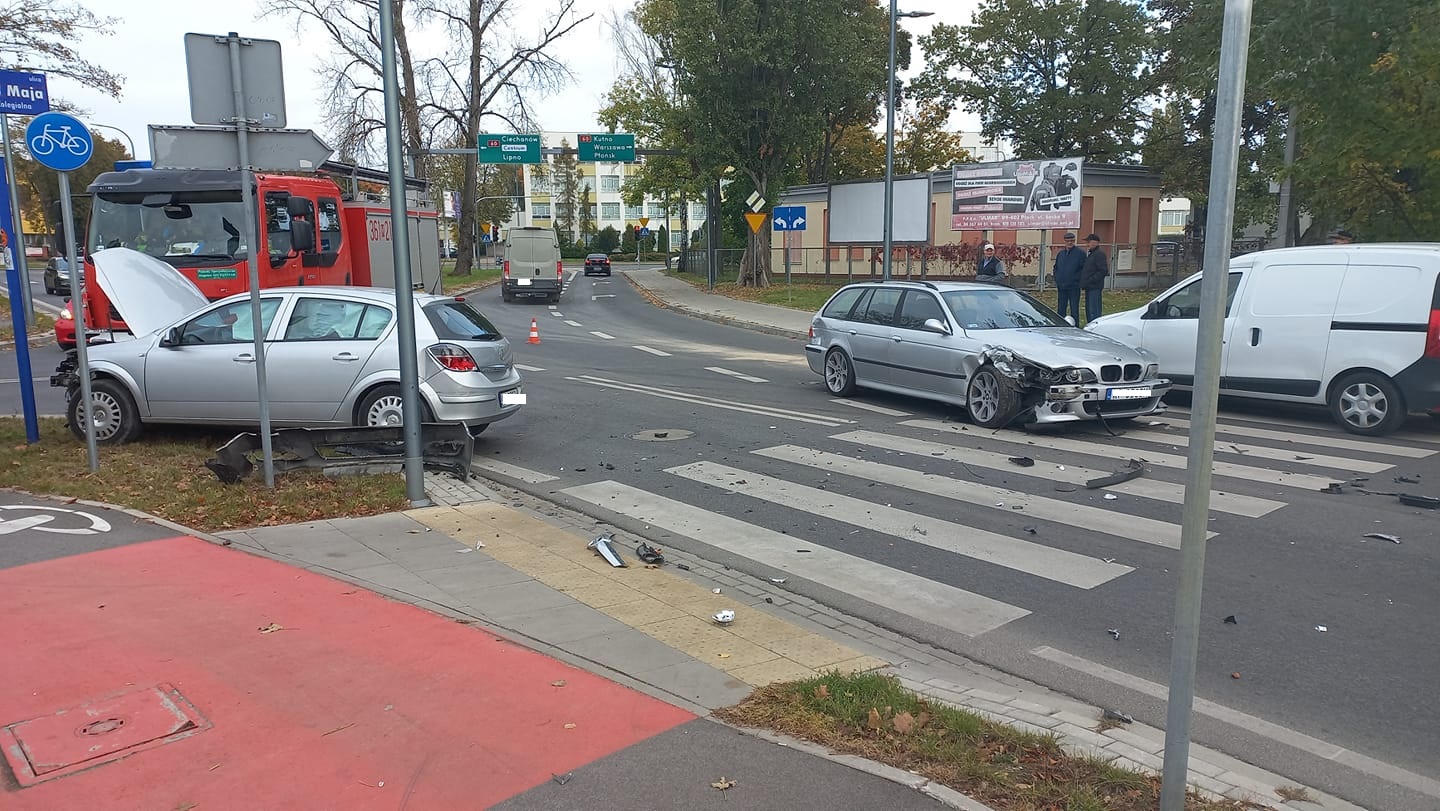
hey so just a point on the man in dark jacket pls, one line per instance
(990, 269)
(1069, 260)
(1092, 276)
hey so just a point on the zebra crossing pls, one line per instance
(832, 482)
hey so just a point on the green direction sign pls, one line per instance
(509, 148)
(607, 147)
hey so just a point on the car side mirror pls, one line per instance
(171, 337)
(936, 325)
(1153, 309)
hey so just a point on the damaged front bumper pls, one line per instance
(1088, 401)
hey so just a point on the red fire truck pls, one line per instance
(318, 229)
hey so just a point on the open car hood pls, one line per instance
(149, 294)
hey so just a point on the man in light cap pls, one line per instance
(991, 269)
(1069, 261)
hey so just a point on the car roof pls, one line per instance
(939, 287)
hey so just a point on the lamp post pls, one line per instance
(128, 139)
(890, 140)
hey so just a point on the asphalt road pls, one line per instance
(722, 442)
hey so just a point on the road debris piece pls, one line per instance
(1407, 479)
(558, 683)
(1333, 488)
(1133, 469)
(779, 581)
(1110, 496)
(1427, 502)
(1230, 620)
(604, 546)
(1114, 632)
(569, 726)
(1321, 628)
(1031, 530)
(770, 600)
(1235, 675)
(682, 567)
(723, 784)
(715, 591)
(1112, 715)
(272, 628)
(725, 616)
(649, 554)
(1022, 461)
(562, 779)
(447, 447)
(1382, 536)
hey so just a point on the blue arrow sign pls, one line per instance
(59, 141)
(789, 218)
(23, 93)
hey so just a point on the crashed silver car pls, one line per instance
(996, 352)
(332, 357)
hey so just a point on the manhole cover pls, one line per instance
(98, 732)
(663, 435)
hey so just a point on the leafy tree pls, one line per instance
(463, 65)
(43, 35)
(606, 241)
(586, 216)
(922, 144)
(565, 191)
(1063, 77)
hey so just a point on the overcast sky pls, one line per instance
(147, 48)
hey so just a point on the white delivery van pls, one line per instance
(1352, 327)
(532, 264)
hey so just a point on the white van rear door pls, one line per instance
(1281, 331)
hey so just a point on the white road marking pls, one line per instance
(520, 473)
(1110, 522)
(602, 295)
(1249, 506)
(745, 377)
(651, 351)
(97, 524)
(1261, 452)
(727, 405)
(1048, 562)
(1254, 474)
(1259, 726)
(522, 367)
(557, 313)
(1325, 440)
(936, 603)
(889, 412)
(1317, 428)
(575, 323)
(602, 335)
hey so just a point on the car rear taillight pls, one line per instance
(812, 332)
(507, 268)
(453, 358)
(559, 270)
(1432, 336)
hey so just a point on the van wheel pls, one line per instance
(839, 373)
(1367, 403)
(117, 420)
(990, 401)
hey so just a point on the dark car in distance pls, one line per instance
(597, 264)
(57, 276)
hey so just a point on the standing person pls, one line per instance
(1069, 261)
(1092, 276)
(991, 269)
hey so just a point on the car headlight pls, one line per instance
(1152, 371)
(1079, 376)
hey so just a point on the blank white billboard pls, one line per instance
(857, 212)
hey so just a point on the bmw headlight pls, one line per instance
(1152, 371)
(1079, 376)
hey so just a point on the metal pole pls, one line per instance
(1224, 157)
(889, 151)
(257, 246)
(77, 305)
(17, 226)
(712, 224)
(400, 245)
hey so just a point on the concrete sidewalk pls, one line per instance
(521, 567)
(681, 296)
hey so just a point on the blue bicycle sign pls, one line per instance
(59, 141)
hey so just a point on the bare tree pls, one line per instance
(487, 72)
(42, 35)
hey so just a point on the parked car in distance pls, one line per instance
(533, 266)
(1352, 327)
(332, 357)
(994, 351)
(57, 276)
(598, 264)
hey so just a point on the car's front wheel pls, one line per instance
(385, 407)
(839, 373)
(113, 411)
(1367, 403)
(990, 401)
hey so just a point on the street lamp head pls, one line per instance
(914, 14)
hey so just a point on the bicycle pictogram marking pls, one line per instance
(54, 137)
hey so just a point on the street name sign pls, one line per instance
(23, 93)
(607, 147)
(219, 148)
(212, 89)
(510, 148)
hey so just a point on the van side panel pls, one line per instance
(1419, 381)
(1277, 346)
(1379, 321)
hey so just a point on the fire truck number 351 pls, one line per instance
(379, 230)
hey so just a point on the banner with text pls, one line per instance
(1017, 195)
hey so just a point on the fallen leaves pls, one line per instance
(272, 628)
(558, 683)
(724, 784)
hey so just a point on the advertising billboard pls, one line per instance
(857, 211)
(1017, 195)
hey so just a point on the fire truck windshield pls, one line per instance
(186, 230)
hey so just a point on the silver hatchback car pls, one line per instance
(332, 357)
(994, 351)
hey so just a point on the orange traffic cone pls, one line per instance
(534, 332)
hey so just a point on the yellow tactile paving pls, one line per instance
(758, 648)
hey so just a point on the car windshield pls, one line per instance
(184, 229)
(999, 309)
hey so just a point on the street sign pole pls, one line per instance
(17, 225)
(255, 238)
(77, 309)
(18, 277)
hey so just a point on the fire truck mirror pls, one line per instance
(302, 235)
(300, 207)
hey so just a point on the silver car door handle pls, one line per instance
(244, 358)
(344, 356)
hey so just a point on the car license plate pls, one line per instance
(523, 282)
(512, 397)
(1127, 394)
